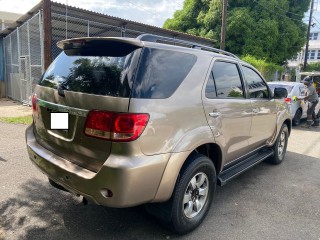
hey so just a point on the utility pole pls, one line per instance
(224, 25)
(47, 32)
(308, 36)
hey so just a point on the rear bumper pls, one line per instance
(133, 181)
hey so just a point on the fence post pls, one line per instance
(47, 30)
(41, 41)
(88, 28)
(123, 30)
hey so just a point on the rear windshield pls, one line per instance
(161, 72)
(273, 86)
(100, 75)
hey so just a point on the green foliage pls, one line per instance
(27, 120)
(312, 67)
(267, 69)
(268, 29)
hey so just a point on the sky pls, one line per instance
(152, 12)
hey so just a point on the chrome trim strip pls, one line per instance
(61, 108)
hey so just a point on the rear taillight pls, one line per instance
(287, 100)
(118, 127)
(34, 106)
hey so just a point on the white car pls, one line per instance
(298, 109)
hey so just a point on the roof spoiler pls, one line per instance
(99, 46)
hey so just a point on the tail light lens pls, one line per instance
(117, 127)
(287, 100)
(34, 106)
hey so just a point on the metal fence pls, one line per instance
(23, 59)
(65, 27)
(24, 47)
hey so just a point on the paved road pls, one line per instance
(267, 202)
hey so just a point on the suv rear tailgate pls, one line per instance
(91, 74)
(73, 144)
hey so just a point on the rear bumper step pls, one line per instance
(244, 165)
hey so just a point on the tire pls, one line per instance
(297, 118)
(280, 146)
(191, 198)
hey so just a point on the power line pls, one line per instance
(315, 19)
(295, 19)
(317, 22)
(299, 15)
(144, 9)
(178, 3)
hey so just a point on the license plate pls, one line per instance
(59, 121)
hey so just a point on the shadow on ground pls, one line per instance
(264, 196)
(41, 211)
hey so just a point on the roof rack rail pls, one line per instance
(183, 43)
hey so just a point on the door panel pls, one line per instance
(263, 107)
(263, 122)
(227, 110)
(230, 126)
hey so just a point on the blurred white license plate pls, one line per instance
(59, 121)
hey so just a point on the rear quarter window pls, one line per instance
(288, 87)
(161, 72)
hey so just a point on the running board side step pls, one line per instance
(235, 170)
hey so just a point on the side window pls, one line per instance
(257, 87)
(161, 72)
(224, 81)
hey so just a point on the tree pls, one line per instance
(313, 67)
(268, 29)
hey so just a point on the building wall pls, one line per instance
(313, 53)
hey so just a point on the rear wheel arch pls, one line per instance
(168, 181)
(188, 206)
(212, 151)
(297, 117)
(289, 125)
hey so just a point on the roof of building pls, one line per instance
(75, 12)
(9, 16)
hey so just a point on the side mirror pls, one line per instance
(280, 93)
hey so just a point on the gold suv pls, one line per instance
(154, 120)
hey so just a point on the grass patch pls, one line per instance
(21, 120)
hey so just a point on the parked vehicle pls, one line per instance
(153, 120)
(315, 78)
(298, 108)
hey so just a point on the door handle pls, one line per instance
(215, 114)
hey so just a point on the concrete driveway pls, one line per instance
(267, 202)
(10, 108)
